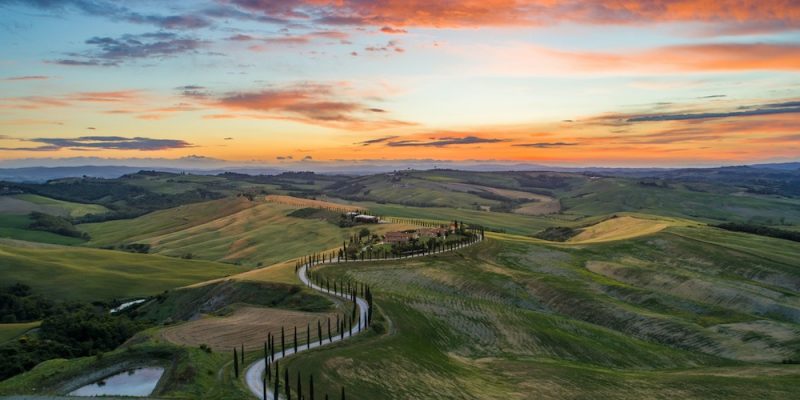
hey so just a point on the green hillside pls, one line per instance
(18, 227)
(84, 274)
(676, 313)
(237, 230)
(497, 199)
(61, 208)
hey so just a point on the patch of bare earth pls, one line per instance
(247, 326)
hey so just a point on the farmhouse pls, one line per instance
(370, 219)
(398, 237)
(433, 232)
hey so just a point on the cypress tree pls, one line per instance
(329, 329)
(277, 382)
(235, 363)
(295, 339)
(319, 332)
(308, 336)
(286, 384)
(283, 343)
(342, 392)
(242, 354)
(264, 386)
(311, 387)
(299, 386)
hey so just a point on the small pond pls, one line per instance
(135, 382)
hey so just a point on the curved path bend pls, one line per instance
(255, 372)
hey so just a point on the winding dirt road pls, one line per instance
(255, 372)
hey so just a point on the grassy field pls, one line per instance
(234, 230)
(14, 226)
(85, 274)
(67, 209)
(645, 301)
(455, 194)
(12, 331)
(27, 203)
(623, 227)
(679, 313)
(511, 223)
(610, 195)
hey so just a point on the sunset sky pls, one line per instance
(625, 83)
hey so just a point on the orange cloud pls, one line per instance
(706, 57)
(471, 13)
(526, 60)
(318, 104)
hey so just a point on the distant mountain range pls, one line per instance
(98, 168)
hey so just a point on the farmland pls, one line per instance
(77, 273)
(557, 323)
(601, 287)
(233, 230)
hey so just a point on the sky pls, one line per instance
(572, 83)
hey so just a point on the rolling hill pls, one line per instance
(666, 314)
(84, 274)
(235, 230)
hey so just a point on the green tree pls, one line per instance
(235, 363)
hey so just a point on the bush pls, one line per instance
(557, 234)
(761, 230)
(54, 224)
(378, 327)
(19, 304)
